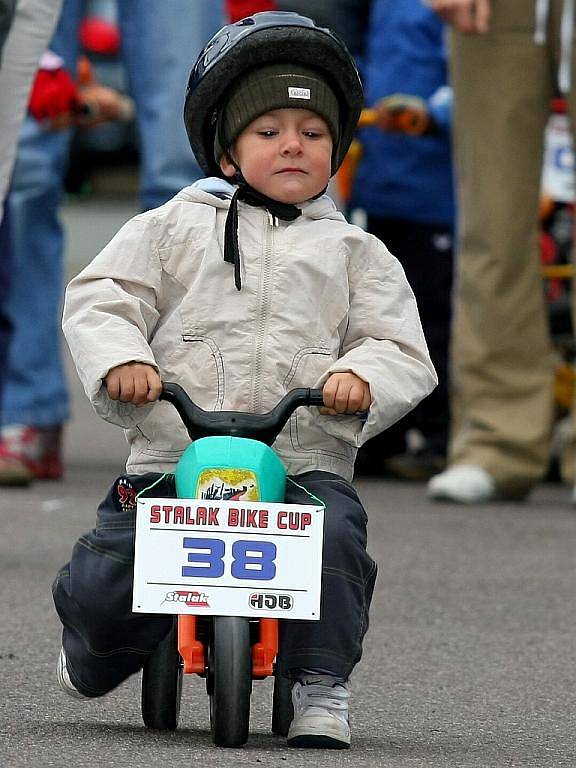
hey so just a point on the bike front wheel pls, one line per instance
(230, 680)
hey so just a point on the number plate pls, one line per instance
(228, 558)
(558, 171)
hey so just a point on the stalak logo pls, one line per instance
(188, 597)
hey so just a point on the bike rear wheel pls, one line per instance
(282, 708)
(162, 684)
(229, 680)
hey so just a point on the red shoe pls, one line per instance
(30, 453)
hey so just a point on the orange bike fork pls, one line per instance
(191, 649)
(265, 650)
(193, 653)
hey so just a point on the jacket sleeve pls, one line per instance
(383, 344)
(110, 314)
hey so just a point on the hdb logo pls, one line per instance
(261, 600)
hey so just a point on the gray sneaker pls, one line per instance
(63, 677)
(320, 713)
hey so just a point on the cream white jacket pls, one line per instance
(318, 296)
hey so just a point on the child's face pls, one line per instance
(285, 154)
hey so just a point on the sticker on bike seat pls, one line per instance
(228, 485)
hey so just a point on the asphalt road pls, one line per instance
(470, 659)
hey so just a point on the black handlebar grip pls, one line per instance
(316, 397)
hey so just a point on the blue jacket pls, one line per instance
(406, 177)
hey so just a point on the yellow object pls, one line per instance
(564, 385)
(557, 271)
(225, 483)
(345, 177)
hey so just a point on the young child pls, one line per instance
(246, 285)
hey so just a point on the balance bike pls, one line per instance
(230, 458)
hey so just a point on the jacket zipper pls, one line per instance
(265, 297)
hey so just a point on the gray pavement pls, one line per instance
(469, 661)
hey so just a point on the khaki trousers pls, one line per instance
(501, 350)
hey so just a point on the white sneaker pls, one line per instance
(320, 713)
(63, 677)
(463, 483)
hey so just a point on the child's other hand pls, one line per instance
(136, 383)
(345, 393)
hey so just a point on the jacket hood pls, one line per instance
(218, 193)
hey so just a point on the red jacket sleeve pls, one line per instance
(238, 9)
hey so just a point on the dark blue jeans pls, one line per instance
(105, 641)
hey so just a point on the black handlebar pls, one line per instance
(264, 427)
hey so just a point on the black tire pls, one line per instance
(229, 681)
(162, 684)
(282, 708)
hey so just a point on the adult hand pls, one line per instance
(403, 113)
(99, 104)
(137, 383)
(472, 17)
(59, 103)
(345, 393)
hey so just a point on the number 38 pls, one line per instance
(253, 560)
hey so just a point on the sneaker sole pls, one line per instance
(64, 682)
(320, 735)
(512, 496)
(312, 741)
(451, 498)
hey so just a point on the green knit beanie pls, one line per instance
(276, 86)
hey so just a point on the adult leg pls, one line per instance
(502, 358)
(35, 397)
(5, 324)
(103, 640)
(160, 42)
(332, 645)
(36, 392)
(568, 458)
(25, 35)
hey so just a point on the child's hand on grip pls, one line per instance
(345, 393)
(137, 383)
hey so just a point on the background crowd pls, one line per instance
(445, 171)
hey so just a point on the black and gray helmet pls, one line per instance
(267, 40)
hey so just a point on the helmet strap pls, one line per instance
(249, 195)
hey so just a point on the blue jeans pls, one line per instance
(5, 326)
(160, 42)
(105, 642)
(35, 390)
